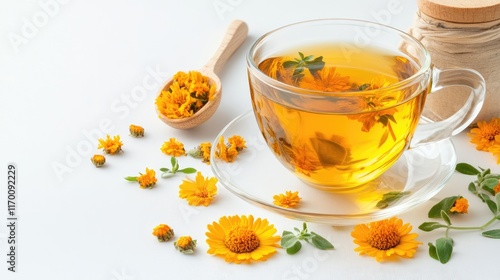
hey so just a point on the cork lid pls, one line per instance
(461, 11)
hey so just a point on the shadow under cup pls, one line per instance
(338, 101)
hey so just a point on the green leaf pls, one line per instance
(289, 64)
(494, 233)
(466, 169)
(433, 251)
(486, 172)
(472, 188)
(308, 58)
(315, 65)
(445, 217)
(187, 170)
(329, 151)
(305, 236)
(163, 169)
(430, 226)
(484, 197)
(391, 118)
(490, 183)
(288, 240)
(294, 249)
(175, 164)
(444, 249)
(492, 205)
(390, 197)
(321, 243)
(167, 175)
(497, 199)
(131, 179)
(445, 204)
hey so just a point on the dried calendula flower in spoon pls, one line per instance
(187, 94)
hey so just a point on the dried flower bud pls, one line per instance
(136, 131)
(185, 244)
(98, 160)
(163, 232)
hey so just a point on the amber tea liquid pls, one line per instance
(359, 126)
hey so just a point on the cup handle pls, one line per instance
(428, 131)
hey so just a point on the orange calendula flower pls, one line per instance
(98, 160)
(327, 80)
(199, 192)
(173, 147)
(497, 188)
(305, 160)
(237, 141)
(385, 240)
(461, 206)
(163, 232)
(148, 179)
(205, 149)
(185, 244)
(385, 117)
(227, 154)
(111, 145)
(287, 200)
(495, 148)
(241, 239)
(136, 131)
(187, 94)
(483, 136)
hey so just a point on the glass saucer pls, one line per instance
(257, 175)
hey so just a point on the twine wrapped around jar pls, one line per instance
(463, 34)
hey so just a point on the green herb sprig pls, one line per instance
(291, 241)
(300, 64)
(169, 172)
(390, 198)
(483, 188)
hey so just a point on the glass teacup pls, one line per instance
(338, 101)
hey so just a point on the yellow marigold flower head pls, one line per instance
(148, 179)
(237, 141)
(98, 160)
(163, 232)
(287, 200)
(242, 239)
(388, 239)
(483, 136)
(185, 244)
(461, 206)
(199, 192)
(136, 131)
(173, 147)
(110, 145)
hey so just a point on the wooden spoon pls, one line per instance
(235, 35)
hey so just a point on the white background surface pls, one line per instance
(74, 70)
